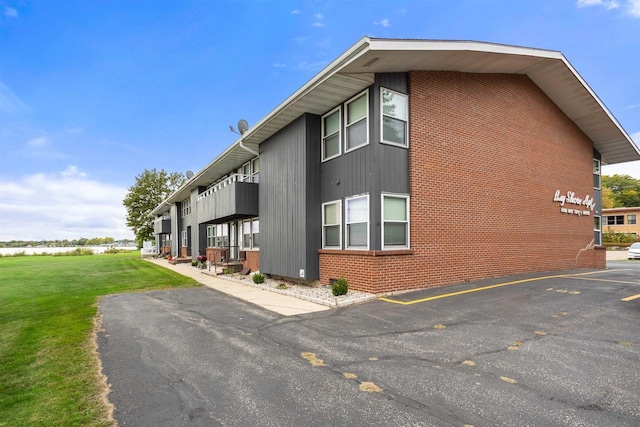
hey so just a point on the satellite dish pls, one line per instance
(189, 174)
(243, 126)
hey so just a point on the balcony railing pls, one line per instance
(236, 177)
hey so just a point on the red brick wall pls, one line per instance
(252, 260)
(487, 152)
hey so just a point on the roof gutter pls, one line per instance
(247, 148)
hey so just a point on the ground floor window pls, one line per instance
(251, 233)
(632, 219)
(614, 220)
(597, 231)
(183, 238)
(332, 225)
(395, 224)
(222, 235)
(357, 222)
(211, 236)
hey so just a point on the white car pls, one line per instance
(634, 251)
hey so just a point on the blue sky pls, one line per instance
(94, 92)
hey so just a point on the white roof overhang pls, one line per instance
(355, 69)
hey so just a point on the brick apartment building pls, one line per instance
(407, 164)
(622, 220)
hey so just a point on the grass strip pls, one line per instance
(48, 366)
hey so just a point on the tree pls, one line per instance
(150, 189)
(623, 190)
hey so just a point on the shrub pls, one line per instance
(340, 287)
(194, 263)
(258, 278)
(228, 271)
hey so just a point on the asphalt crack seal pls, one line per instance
(313, 360)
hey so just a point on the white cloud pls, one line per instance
(9, 102)
(296, 12)
(39, 142)
(64, 205)
(608, 4)
(633, 8)
(10, 12)
(279, 65)
(318, 23)
(383, 22)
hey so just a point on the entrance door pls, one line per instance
(189, 241)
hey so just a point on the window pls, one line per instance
(357, 126)
(395, 117)
(332, 225)
(255, 170)
(222, 235)
(357, 222)
(331, 124)
(211, 236)
(596, 174)
(614, 220)
(183, 236)
(251, 233)
(632, 219)
(597, 233)
(186, 207)
(395, 224)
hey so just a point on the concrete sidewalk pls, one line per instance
(282, 304)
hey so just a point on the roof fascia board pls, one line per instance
(438, 45)
(600, 103)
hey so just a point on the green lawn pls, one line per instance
(48, 368)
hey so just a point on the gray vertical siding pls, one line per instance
(372, 169)
(289, 201)
(175, 229)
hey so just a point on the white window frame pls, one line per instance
(211, 236)
(597, 170)
(183, 238)
(250, 244)
(185, 207)
(339, 132)
(347, 222)
(382, 115)
(364, 93)
(382, 220)
(339, 224)
(635, 219)
(598, 219)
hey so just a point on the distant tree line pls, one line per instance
(96, 241)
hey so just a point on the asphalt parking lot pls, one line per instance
(546, 349)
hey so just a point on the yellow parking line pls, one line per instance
(607, 280)
(631, 298)
(484, 288)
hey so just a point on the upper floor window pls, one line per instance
(186, 207)
(632, 219)
(395, 117)
(357, 123)
(357, 222)
(331, 124)
(332, 225)
(395, 223)
(596, 174)
(251, 171)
